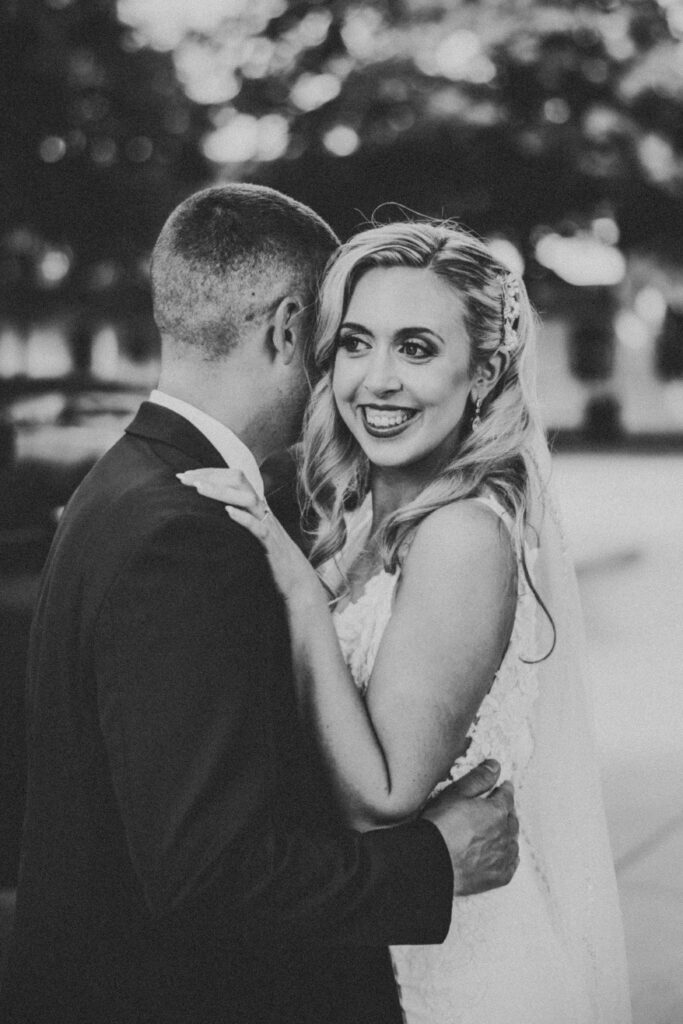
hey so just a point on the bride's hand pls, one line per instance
(293, 574)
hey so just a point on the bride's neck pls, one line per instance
(390, 491)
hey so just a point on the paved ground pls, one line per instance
(625, 517)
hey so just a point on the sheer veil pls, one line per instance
(560, 800)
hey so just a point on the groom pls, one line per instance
(183, 860)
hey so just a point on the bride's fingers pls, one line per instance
(215, 474)
(257, 527)
(233, 495)
(222, 490)
(222, 484)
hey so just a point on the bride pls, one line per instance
(440, 625)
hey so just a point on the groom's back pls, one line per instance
(86, 947)
(81, 930)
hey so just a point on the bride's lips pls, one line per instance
(386, 420)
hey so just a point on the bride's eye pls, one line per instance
(351, 343)
(415, 349)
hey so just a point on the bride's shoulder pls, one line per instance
(465, 533)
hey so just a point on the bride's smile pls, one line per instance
(386, 420)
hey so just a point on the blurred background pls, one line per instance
(555, 130)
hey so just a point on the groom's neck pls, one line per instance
(220, 391)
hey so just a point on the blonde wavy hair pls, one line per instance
(494, 458)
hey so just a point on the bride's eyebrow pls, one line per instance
(410, 332)
(403, 332)
(349, 326)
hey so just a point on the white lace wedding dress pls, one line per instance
(547, 948)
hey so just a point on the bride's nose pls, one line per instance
(382, 376)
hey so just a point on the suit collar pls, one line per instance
(234, 451)
(156, 423)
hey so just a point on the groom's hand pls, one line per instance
(480, 831)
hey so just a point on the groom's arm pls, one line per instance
(184, 676)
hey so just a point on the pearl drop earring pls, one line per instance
(476, 419)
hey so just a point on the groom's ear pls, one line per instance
(288, 327)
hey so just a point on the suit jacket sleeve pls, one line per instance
(181, 664)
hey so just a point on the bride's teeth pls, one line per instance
(384, 419)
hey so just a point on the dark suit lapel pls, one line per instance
(157, 423)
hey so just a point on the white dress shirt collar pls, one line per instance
(225, 441)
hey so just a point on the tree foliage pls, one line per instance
(504, 111)
(512, 114)
(99, 141)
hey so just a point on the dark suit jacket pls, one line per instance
(182, 860)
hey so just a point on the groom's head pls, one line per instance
(234, 279)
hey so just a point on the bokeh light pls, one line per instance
(204, 75)
(311, 91)
(245, 138)
(104, 362)
(52, 149)
(606, 230)
(54, 265)
(657, 157)
(360, 31)
(650, 305)
(556, 110)
(631, 331)
(341, 140)
(12, 354)
(47, 353)
(581, 259)
(163, 24)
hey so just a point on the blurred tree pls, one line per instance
(517, 115)
(99, 142)
(510, 113)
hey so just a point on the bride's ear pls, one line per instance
(288, 329)
(490, 370)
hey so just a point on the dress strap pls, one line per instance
(523, 548)
(497, 508)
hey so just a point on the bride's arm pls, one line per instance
(444, 642)
(446, 637)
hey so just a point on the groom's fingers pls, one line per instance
(504, 798)
(479, 781)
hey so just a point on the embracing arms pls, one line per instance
(445, 640)
(186, 676)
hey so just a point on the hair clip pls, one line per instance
(512, 297)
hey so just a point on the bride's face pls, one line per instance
(401, 372)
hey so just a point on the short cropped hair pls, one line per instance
(225, 254)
